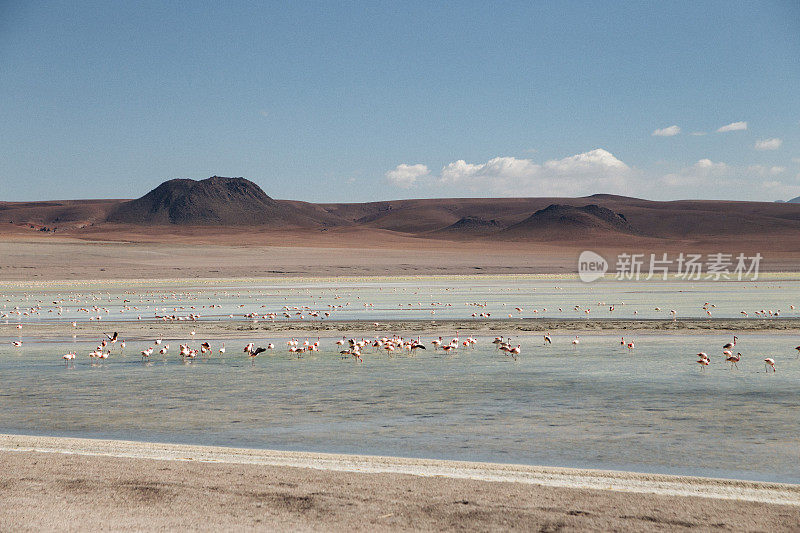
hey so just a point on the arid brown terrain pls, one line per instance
(229, 227)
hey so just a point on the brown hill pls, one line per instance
(61, 215)
(682, 219)
(236, 206)
(468, 227)
(217, 201)
(559, 221)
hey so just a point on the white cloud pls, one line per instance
(499, 168)
(700, 171)
(585, 173)
(733, 126)
(751, 182)
(667, 132)
(762, 170)
(699, 133)
(768, 144)
(406, 176)
(597, 160)
(597, 171)
(781, 190)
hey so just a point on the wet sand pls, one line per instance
(246, 329)
(57, 483)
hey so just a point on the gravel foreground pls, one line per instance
(52, 483)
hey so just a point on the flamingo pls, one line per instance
(703, 363)
(17, 343)
(730, 345)
(768, 361)
(548, 340)
(576, 340)
(68, 357)
(256, 351)
(734, 359)
(357, 354)
(222, 350)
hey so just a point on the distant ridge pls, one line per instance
(469, 226)
(558, 221)
(237, 206)
(216, 201)
(794, 200)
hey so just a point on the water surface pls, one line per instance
(592, 405)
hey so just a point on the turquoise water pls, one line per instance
(594, 404)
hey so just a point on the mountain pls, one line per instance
(236, 206)
(65, 215)
(467, 227)
(218, 201)
(794, 200)
(559, 221)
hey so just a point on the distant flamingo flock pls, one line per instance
(190, 309)
(388, 345)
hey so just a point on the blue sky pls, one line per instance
(331, 101)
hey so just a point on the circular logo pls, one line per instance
(591, 266)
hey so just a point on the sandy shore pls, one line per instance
(149, 254)
(246, 329)
(58, 483)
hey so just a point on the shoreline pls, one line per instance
(80, 484)
(336, 277)
(572, 478)
(212, 329)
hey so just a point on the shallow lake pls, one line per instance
(595, 404)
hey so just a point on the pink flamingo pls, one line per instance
(731, 344)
